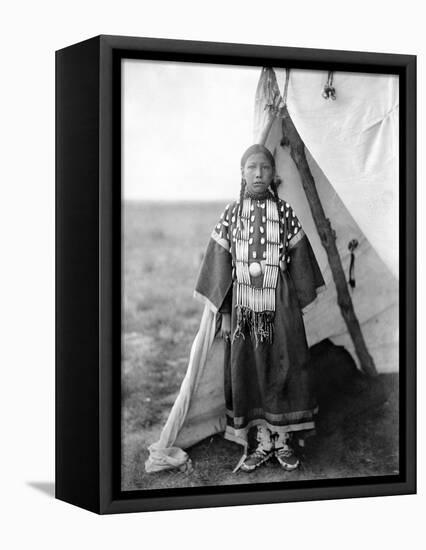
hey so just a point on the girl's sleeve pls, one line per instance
(303, 266)
(215, 275)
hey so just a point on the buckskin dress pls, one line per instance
(267, 381)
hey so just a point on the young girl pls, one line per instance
(260, 272)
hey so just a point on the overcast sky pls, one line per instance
(185, 127)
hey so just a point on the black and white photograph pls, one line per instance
(213, 275)
(260, 275)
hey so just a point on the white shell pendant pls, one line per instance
(255, 269)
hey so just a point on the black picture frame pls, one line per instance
(88, 273)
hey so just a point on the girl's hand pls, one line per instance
(226, 326)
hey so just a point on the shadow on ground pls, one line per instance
(46, 487)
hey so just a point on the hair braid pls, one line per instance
(240, 206)
(281, 220)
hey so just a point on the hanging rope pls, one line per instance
(352, 246)
(329, 91)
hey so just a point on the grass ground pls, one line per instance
(163, 244)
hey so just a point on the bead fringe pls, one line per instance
(259, 324)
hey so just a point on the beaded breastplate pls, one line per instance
(259, 255)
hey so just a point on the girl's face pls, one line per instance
(258, 173)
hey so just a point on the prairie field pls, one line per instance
(163, 244)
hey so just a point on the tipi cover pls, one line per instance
(352, 149)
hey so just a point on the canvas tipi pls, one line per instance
(351, 146)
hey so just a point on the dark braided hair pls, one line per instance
(274, 189)
(281, 220)
(240, 206)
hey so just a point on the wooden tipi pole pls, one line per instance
(292, 139)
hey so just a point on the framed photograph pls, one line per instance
(235, 274)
